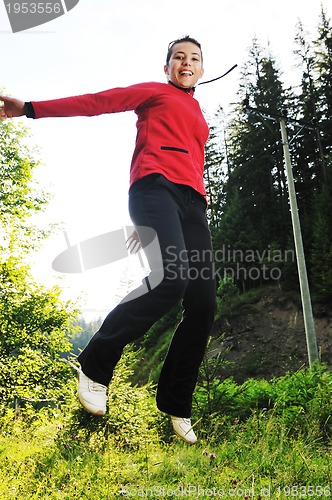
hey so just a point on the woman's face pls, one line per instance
(185, 65)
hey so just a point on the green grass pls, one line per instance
(258, 440)
(256, 458)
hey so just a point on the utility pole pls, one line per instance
(301, 265)
(300, 257)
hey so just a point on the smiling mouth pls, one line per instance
(186, 73)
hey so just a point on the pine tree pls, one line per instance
(308, 150)
(256, 185)
(323, 66)
(314, 157)
(215, 169)
(321, 255)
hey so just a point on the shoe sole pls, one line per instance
(98, 413)
(183, 438)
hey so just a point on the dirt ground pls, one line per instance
(266, 338)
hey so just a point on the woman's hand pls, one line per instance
(133, 243)
(10, 107)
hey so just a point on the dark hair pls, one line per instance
(185, 38)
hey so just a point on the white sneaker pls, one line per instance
(183, 428)
(92, 395)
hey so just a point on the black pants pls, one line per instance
(177, 214)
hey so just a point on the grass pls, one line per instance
(263, 439)
(254, 459)
(237, 467)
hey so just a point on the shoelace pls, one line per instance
(93, 386)
(96, 387)
(71, 364)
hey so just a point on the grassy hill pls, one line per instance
(263, 421)
(260, 439)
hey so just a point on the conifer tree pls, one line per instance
(308, 162)
(215, 169)
(321, 258)
(256, 185)
(323, 66)
(321, 254)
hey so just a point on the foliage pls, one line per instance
(226, 294)
(20, 196)
(33, 329)
(256, 436)
(17, 164)
(33, 320)
(250, 211)
(301, 400)
(153, 347)
(132, 415)
(255, 216)
(215, 167)
(158, 328)
(246, 450)
(82, 334)
(321, 255)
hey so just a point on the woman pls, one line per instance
(166, 194)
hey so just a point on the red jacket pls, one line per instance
(171, 129)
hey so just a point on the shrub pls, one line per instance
(131, 420)
(301, 401)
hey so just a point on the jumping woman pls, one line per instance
(166, 194)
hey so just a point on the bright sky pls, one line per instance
(102, 44)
